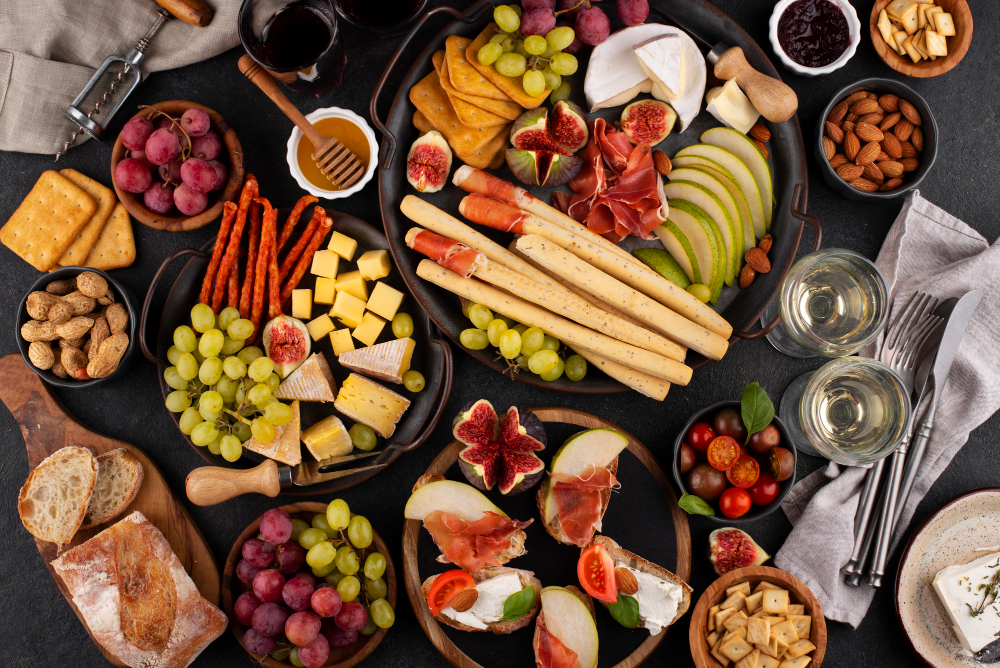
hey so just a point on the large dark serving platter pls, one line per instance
(432, 356)
(742, 308)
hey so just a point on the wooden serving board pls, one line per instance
(47, 426)
(649, 525)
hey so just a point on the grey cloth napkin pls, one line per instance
(926, 249)
(50, 48)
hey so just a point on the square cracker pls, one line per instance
(115, 248)
(490, 156)
(510, 111)
(509, 85)
(430, 99)
(106, 200)
(464, 76)
(48, 220)
(469, 114)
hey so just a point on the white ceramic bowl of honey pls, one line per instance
(352, 131)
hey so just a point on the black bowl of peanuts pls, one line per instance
(76, 327)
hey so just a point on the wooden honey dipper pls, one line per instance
(334, 159)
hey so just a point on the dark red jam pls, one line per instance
(813, 33)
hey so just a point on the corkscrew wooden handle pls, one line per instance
(263, 80)
(775, 100)
(195, 12)
(210, 485)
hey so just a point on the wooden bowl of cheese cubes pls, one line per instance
(922, 38)
(757, 617)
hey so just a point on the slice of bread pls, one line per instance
(623, 557)
(552, 524)
(119, 476)
(53, 500)
(504, 626)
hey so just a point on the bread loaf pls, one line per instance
(119, 476)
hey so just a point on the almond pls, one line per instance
(829, 148)
(834, 132)
(903, 129)
(837, 113)
(874, 119)
(892, 146)
(847, 125)
(662, 162)
(909, 164)
(849, 171)
(865, 106)
(627, 582)
(765, 243)
(464, 600)
(854, 97)
(889, 102)
(873, 173)
(867, 132)
(864, 185)
(837, 160)
(868, 154)
(891, 184)
(760, 132)
(851, 145)
(757, 258)
(910, 112)
(762, 146)
(747, 274)
(851, 117)
(872, 96)
(909, 150)
(882, 156)
(918, 139)
(891, 169)
(889, 121)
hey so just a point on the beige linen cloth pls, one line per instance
(926, 249)
(50, 48)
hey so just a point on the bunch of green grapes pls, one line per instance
(338, 549)
(522, 346)
(222, 389)
(533, 52)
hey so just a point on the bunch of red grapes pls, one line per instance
(183, 155)
(589, 21)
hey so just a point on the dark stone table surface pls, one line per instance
(37, 628)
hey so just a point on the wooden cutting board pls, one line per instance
(47, 426)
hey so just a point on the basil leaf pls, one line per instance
(519, 603)
(695, 505)
(625, 611)
(756, 408)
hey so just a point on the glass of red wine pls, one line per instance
(384, 18)
(298, 42)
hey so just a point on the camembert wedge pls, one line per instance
(284, 447)
(385, 361)
(312, 381)
(369, 403)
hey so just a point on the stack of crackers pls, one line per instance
(471, 104)
(69, 219)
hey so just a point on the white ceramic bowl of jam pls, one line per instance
(814, 37)
(352, 131)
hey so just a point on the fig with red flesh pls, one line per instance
(647, 121)
(568, 126)
(428, 162)
(543, 168)
(530, 132)
(287, 342)
(500, 452)
(729, 549)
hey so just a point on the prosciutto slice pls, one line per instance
(550, 652)
(447, 252)
(472, 545)
(578, 500)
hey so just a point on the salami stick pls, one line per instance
(293, 219)
(273, 284)
(247, 294)
(267, 236)
(300, 245)
(228, 214)
(234, 288)
(303, 265)
(229, 260)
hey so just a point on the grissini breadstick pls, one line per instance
(467, 262)
(570, 333)
(647, 309)
(643, 383)
(502, 216)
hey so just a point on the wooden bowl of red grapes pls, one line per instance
(175, 164)
(309, 584)
(732, 466)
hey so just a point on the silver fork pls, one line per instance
(901, 342)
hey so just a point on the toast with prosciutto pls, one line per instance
(470, 531)
(565, 630)
(498, 600)
(573, 498)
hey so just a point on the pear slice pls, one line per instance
(705, 239)
(588, 450)
(743, 147)
(568, 619)
(749, 235)
(680, 248)
(720, 190)
(456, 498)
(723, 159)
(703, 198)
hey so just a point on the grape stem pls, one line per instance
(185, 152)
(582, 4)
(237, 416)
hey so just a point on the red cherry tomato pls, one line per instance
(723, 452)
(734, 502)
(764, 491)
(445, 587)
(744, 472)
(700, 435)
(596, 572)
(782, 463)
(688, 457)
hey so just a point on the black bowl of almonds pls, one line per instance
(77, 327)
(877, 139)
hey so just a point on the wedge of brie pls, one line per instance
(687, 104)
(731, 107)
(662, 58)
(962, 589)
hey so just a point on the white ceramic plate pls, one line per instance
(954, 534)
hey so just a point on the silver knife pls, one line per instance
(951, 338)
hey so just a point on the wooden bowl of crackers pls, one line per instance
(921, 39)
(232, 155)
(748, 605)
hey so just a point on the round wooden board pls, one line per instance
(717, 591)
(340, 657)
(448, 457)
(957, 45)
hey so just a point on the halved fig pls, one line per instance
(648, 121)
(287, 342)
(729, 549)
(429, 162)
(543, 168)
(500, 452)
(568, 126)
(530, 132)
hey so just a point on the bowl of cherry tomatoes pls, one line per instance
(740, 479)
